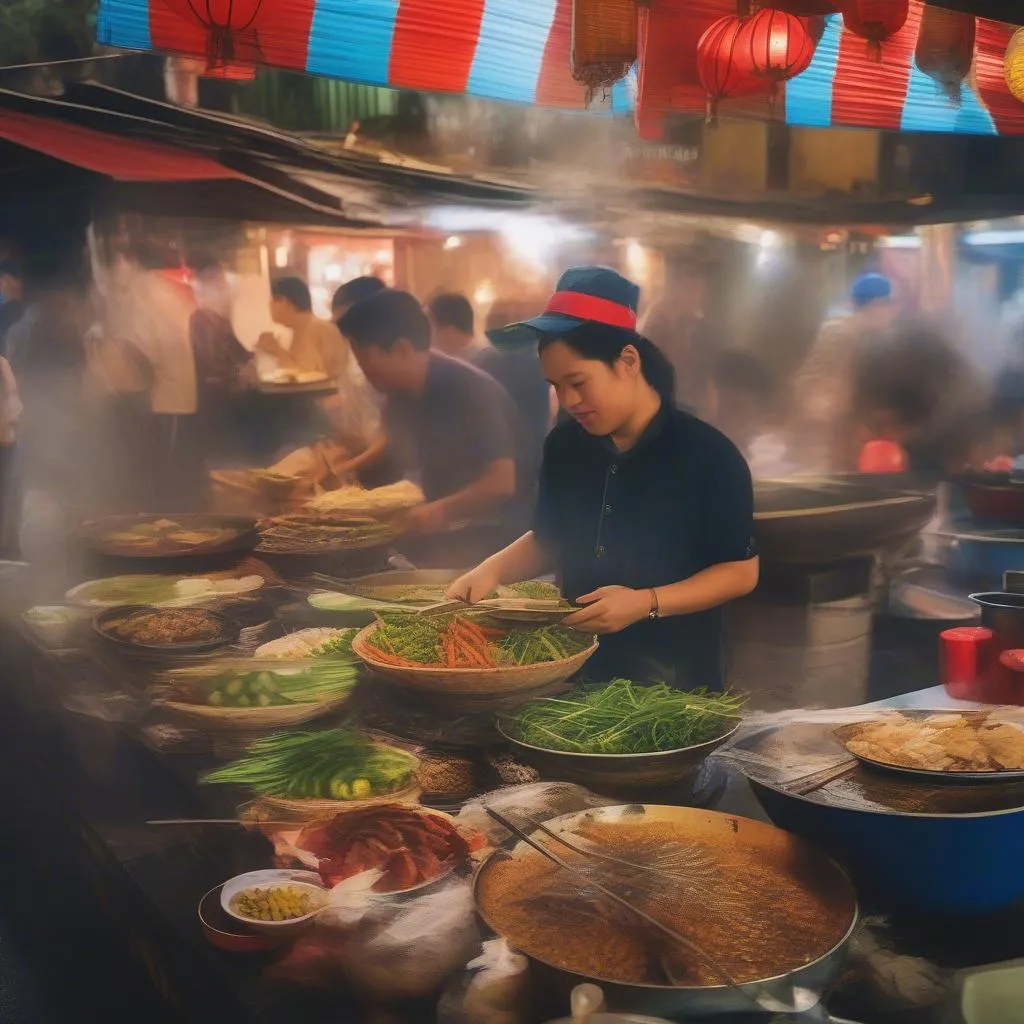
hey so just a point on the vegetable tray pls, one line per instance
(252, 719)
(505, 679)
(316, 810)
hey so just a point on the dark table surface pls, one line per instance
(88, 779)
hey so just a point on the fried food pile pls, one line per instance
(941, 743)
(167, 626)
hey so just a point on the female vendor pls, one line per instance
(644, 512)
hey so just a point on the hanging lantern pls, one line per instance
(802, 8)
(231, 26)
(875, 20)
(945, 48)
(725, 64)
(779, 44)
(604, 36)
(1013, 65)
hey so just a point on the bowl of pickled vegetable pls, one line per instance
(275, 901)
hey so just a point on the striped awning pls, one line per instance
(518, 51)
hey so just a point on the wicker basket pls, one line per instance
(252, 719)
(319, 810)
(479, 682)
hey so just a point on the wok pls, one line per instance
(738, 836)
(828, 519)
(99, 536)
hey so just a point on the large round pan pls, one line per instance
(737, 837)
(235, 534)
(822, 522)
(931, 775)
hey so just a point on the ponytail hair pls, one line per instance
(605, 344)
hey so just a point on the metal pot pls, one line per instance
(1004, 614)
(741, 836)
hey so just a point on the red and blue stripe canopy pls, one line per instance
(518, 51)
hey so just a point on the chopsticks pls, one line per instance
(612, 895)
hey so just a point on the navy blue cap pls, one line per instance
(870, 288)
(583, 295)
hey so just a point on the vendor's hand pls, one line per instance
(476, 585)
(428, 518)
(268, 343)
(609, 610)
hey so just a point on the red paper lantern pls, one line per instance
(780, 45)
(945, 48)
(875, 20)
(725, 64)
(231, 25)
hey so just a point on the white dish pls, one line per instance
(191, 590)
(273, 876)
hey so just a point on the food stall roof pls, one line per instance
(117, 158)
(520, 52)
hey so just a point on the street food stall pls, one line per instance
(340, 789)
(305, 784)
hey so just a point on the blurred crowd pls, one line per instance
(123, 387)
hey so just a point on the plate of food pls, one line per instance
(400, 849)
(168, 536)
(958, 747)
(275, 901)
(159, 591)
(312, 775)
(147, 632)
(375, 502)
(258, 695)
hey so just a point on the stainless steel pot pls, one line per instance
(1003, 613)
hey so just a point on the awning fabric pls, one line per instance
(128, 160)
(519, 51)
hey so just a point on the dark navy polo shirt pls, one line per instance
(679, 501)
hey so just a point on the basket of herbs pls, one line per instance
(470, 654)
(623, 736)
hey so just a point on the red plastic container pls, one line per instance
(965, 661)
(1011, 678)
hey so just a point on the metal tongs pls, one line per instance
(804, 1001)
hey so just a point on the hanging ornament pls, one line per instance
(945, 48)
(1013, 65)
(779, 44)
(231, 28)
(725, 64)
(603, 41)
(802, 8)
(875, 20)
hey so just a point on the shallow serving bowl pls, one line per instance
(618, 773)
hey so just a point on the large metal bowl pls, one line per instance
(618, 773)
(767, 844)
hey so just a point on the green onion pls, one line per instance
(624, 718)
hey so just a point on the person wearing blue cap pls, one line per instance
(822, 398)
(644, 512)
